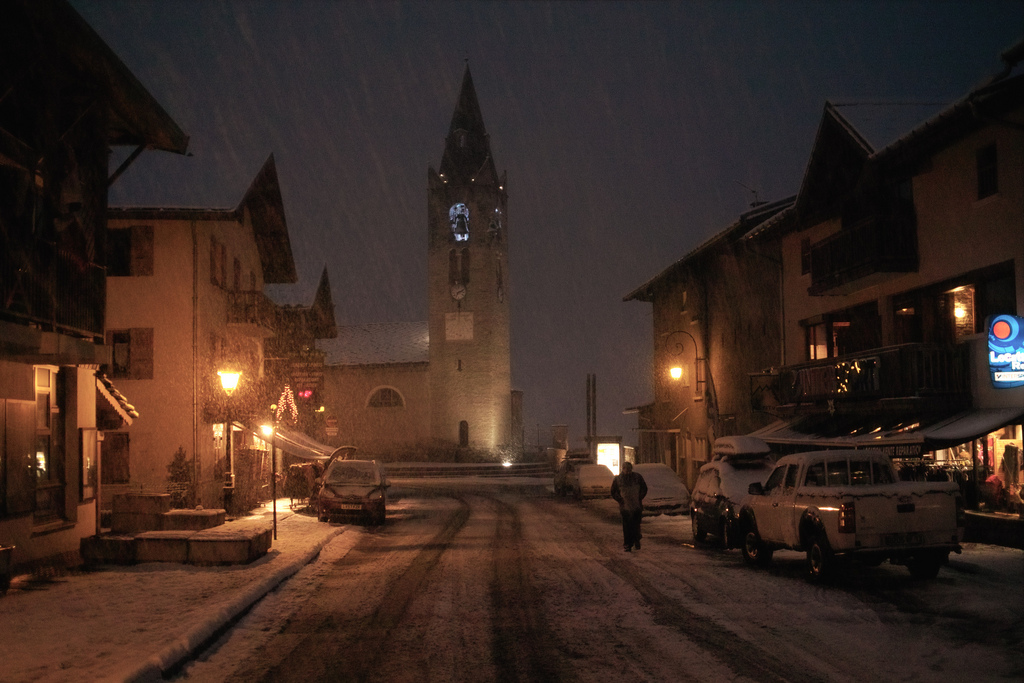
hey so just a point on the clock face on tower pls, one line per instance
(459, 217)
(458, 291)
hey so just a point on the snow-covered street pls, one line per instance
(492, 579)
(479, 580)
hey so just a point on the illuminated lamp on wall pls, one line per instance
(675, 372)
(1006, 351)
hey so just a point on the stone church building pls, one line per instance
(443, 386)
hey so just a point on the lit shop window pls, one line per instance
(817, 346)
(963, 310)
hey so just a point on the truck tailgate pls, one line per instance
(906, 514)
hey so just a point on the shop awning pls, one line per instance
(898, 435)
(970, 425)
(301, 446)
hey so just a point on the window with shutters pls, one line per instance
(130, 251)
(218, 263)
(132, 356)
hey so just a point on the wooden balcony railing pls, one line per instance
(880, 244)
(254, 310)
(904, 371)
(54, 288)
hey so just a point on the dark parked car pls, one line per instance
(352, 488)
(716, 496)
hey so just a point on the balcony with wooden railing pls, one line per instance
(922, 373)
(51, 288)
(253, 313)
(863, 254)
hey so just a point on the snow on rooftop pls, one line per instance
(378, 343)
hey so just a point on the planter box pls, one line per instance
(194, 520)
(217, 547)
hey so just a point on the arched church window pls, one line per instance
(459, 217)
(386, 397)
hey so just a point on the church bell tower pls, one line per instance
(467, 271)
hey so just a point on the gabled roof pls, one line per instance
(264, 203)
(981, 107)
(747, 223)
(52, 31)
(842, 157)
(378, 344)
(835, 165)
(298, 320)
(266, 209)
(467, 151)
(322, 310)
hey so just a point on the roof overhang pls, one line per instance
(136, 118)
(113, 411)
(906, 435)
(266, 210)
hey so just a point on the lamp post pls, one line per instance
(676, 371)
(229, 382)
(270, 431)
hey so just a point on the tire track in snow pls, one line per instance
(521, 648)
(400, 594)
(742, 656)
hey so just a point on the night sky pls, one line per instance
(631, 132)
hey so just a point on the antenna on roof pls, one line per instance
(757, 202)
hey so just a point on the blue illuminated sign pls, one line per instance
(1006, 351)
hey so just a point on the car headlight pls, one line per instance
(327, 493)
(375, 496)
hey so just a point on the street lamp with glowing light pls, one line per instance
(268, 431)
(229, 382)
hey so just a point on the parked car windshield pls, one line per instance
(351, 472)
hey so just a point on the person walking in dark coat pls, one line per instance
(628, 490)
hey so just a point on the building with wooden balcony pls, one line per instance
(871, 326)
(894, 260)
(66, 100)
(186, 300)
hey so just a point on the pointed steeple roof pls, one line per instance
(321, 313)
(467, 149)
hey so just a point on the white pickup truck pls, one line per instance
(850, 504)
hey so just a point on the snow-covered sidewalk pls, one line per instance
(132, 623)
